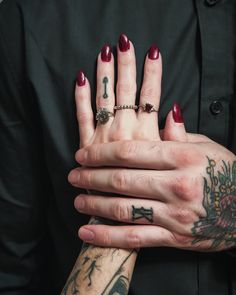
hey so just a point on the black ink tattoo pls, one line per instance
(92, 267)
(71, 284)
(120, 287)
(219, 202)
(111, 285)
(105, 81)
(86, 259)
(138, 213)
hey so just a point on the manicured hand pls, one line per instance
(178, 194)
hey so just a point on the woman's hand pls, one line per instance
(183, 193)
(126, 124)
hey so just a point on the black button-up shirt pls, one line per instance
(42, 46)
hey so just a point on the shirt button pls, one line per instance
(216, 107)
(212, 2)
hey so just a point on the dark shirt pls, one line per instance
(42, 46)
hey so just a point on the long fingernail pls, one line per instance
(124, 44)
(153, 52)
(81, 80)
(177, 114)
(86, 234)
(106, 53)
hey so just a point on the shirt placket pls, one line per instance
(216, 90)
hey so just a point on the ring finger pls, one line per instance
(131, 211)
(150, 94)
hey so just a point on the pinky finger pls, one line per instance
(126, 237)
(84, 110)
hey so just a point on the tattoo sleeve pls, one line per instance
(101, 271)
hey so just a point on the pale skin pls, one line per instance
(109, 270)
(175, 179)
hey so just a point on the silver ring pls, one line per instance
(148, 108)
(126, 107)
(103, 115)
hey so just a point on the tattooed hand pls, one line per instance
(183, 194)
(179, 194)
(108, 271)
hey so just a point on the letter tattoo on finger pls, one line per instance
(138, 213)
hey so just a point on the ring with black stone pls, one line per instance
(126, 107)
(148, 108)
(103, 115)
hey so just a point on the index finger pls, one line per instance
(139, 154)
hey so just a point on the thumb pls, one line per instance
(174, 128)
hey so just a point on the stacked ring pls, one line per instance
(103, 115)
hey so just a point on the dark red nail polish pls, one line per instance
(124, 44)
(81, 79)
(106, 53)
(177, 114)
(153, 52)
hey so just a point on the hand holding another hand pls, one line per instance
(180, 192)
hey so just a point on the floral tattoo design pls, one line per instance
(219, 202)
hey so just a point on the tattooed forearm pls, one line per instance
(138, 213)
(120, 287)
(219, 202)
(105, 81)
(100, 270)
(116, 284)
(91, 269)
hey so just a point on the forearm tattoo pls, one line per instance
(105, 82)
(219, 202)
(138, 213)
(85, 270)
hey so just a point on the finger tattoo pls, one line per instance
(105, 82)
(138, 213)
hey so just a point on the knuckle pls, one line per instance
(125, 88)
(105, 239)
(86, 178)
(148, 92)
(133, 240)
(93, 154)
(183, 187)
(142, 134)
(183, 215)
(126, 151)
(119, 180)
(117, 135)
(120, 212)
